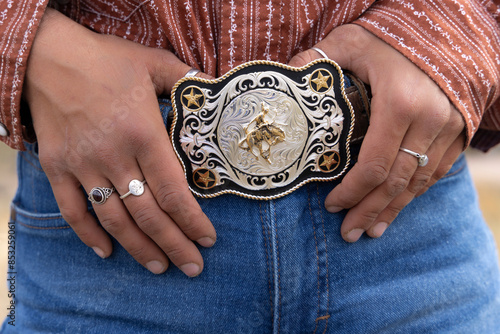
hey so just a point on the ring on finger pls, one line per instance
(192, 72)
(321, 52)
(135, 187)
(422, 158)
(99, 195)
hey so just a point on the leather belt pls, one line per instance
(264, 129)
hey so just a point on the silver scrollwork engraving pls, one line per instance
(263, 129)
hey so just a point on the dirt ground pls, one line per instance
(485, 169)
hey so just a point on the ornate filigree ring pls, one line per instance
(99, 195)
(135, 187)
(264, 129)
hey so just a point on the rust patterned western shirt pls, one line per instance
(456, 42)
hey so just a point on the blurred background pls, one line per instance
(485, 170)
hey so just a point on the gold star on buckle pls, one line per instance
(193, 98)
(321, 81)
(204, 178)
(328, 161)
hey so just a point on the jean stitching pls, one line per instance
(279, 274)
(32, 164)
(33, 193)
(266, 246)
(38, 218)
(454, 173)
(326, 261)
(317, 255)
(43, 228)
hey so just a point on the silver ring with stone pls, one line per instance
(321, 52)
(135, 187)
(192, 72)
(422, 158)
(99, 195)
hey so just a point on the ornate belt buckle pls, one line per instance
(262, 130)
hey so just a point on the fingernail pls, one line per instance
(379, 229)
(354, 235)
(156, 267)
(334, 209)
(206, 241)
(190, 269)
(99, 252)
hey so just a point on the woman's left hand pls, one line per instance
(409, 110)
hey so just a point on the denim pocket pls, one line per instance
(459, 166)
(38, 221)
(34, 203)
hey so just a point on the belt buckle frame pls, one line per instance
(262, 130)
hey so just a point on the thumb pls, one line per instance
(341, 45)
(349, 46)
(303, 58)
(165, 69)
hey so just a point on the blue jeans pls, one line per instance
(278, 266)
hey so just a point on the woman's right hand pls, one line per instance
(93, 101)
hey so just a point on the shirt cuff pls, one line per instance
(456, 44)
(21, 22)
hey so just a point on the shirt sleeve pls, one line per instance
(19, 21)
(457, 43)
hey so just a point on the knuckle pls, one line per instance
(174, 250)
(441, 172)
(419, 181)
(140, 138)
(106, 157)
(147, 221)
(439, 117)
(138, 252)
(171, 197)
(112, 223)
(84, 234)
(423, 190)
(304, 57)
(367, 217)
(351, 36)
(392, 211)
(50, 160)
(191, 228)
(396, 185)
(376, 171)
(71, 215)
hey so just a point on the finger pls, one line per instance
(420, 181)
(166, 69)
(167, 181)
(378, 152)
(153, 221)
(420, 178)
(73, 206)
(367, 208)
(115, 219)
(362, 216)
(449, 158)
(303, 58)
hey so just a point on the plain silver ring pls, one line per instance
(192, 72)
(135, 187)
(321, 52)
(422, 158)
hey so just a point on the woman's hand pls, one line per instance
(407, 110)
(93, 100)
